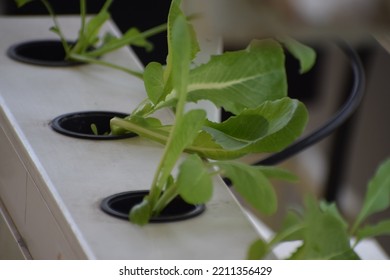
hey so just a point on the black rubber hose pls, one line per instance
(349, 107)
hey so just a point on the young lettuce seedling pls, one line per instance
(89, 47)
(324, 233)
(251, 84)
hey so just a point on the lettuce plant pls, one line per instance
(89, 47)
(250, 83)
(324, 232)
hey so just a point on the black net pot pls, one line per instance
(119, 206)
(49, 53)
(78, 125)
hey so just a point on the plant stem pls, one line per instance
(106, 5)
(83, 42)
(153, 31)
(165, 199)
(160, 136)
(123, 42)
(159, 180)
(57, 26)
(138, 129)
(180, 85)
(87, 59)
(83, 14)
(171, 192)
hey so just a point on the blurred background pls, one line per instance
(338, 168)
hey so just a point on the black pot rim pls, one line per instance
(106, 206)
(57, 121)
(14, 52)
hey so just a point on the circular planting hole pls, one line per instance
(80, 125)
(119, 205)
(41, 52)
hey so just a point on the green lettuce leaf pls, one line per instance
(241, 79)
(21, 3)
(325, 235)
(194, 182)
(378, 194)
(251, 184)
(381, 228)
(269, 128)
(305, 54)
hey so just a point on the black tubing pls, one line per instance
(349, 107)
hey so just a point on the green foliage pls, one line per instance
(251, 83)
(141, 212)
(186, 126)
(194, 189)
(267, 128)
(21, 3)
(89, 32)
(154, 81)
(251, 184)
(381, 228)
(90, 45)
(241, 79)
(378, 194)
(238, 80)
(94, 129)
(324, 233)
(174, 13)
(258, 250)
(304, 54)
